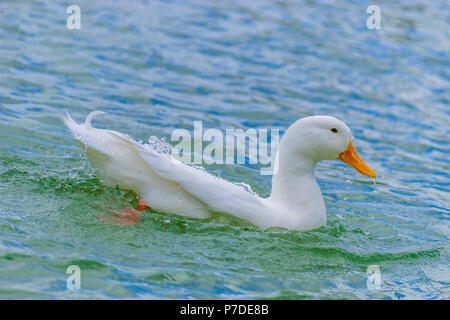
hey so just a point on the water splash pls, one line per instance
(246, 186)
(160, 145)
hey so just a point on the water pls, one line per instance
(156, 66)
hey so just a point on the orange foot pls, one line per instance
(128, 215)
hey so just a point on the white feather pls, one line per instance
(171, 186)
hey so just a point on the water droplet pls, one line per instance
(374, 185)
(159, 145)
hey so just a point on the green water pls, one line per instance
(154, 67)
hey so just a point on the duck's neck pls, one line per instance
(294, 188)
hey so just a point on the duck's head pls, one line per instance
(322, 138)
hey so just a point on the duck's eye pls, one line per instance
(334, 130)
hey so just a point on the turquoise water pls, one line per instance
(156, 66)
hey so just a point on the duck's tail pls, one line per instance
(83, 132)
(108, 151)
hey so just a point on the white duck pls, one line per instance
(171, 186)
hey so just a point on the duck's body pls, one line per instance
(171, 186)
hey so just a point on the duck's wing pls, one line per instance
(117, 162)
(219, 195)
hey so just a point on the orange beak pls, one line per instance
(351, 157)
